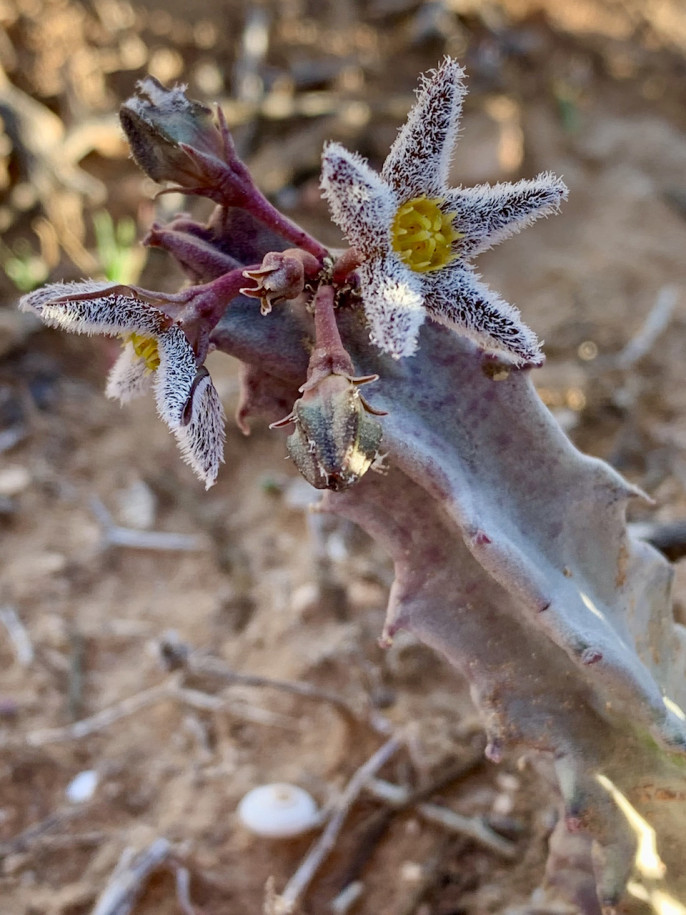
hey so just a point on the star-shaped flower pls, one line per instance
(416, 236)
(156, 352)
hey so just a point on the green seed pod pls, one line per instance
(336, 439)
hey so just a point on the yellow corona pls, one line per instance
(423, 235)
(146, 349)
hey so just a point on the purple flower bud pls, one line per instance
(159, 122)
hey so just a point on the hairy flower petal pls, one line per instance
(175, 376)
(416, 236)
(461, 301)
(393, 304)
(488, 214)
(361, 203)
(186, 399)
(113, 312)
(420, 156)
(129, 377)
(201, 438)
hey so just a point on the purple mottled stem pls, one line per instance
(329, 355)
(208, 302)
(262, 209)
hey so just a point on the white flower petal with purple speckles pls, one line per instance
(201, 438)
(175, 376)
(115, 312)
(359, 200)
(467, 305)
(393, 304)
(420, 157)
(186, 399)
(488, 214)
(395, 284)
(129, 377)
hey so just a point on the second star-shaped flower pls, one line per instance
(416, 236)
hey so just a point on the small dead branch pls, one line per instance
(380, 823)
(206, 701)
(129, 877)
(19, 636)
(170, 689)
(41, 830)
(182, 878)
(655, 323)
(213, 667)
(285, 903)
(471, 827)
(114, 535)
(92, 839)
(347, 898)
(103, 719)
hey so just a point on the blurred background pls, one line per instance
(593, 90)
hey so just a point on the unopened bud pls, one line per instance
(158, 121)
(336, 439)
(280, 277)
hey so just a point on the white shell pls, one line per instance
(82, 787)
(278, 811)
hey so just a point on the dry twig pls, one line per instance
(183, 890)
(285, 903)
(655, 323)
(471, 827)
(206, 666)
(37, 831)
(19, 636)
(129, 877)
(170, 689)
(380, 823)
(106, 717)
(347, 898)
(114, 535)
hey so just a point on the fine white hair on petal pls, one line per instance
(488, 214)
(186, 399)
(392, 298)
(129, 377)
(420, 157)
(175, 375)
(365, 205)
(104, 312)
(360, 202)
(160, 96)
(463, 302)
(201, 439)
(34, 301)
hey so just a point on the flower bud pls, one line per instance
(336, 439)
(281, 276)
(158, 122)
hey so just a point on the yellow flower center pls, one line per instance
(423, 235)
(146, 349)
